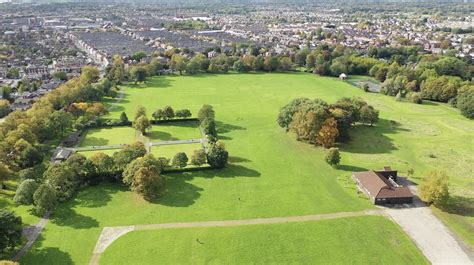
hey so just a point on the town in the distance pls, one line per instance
(236, 132)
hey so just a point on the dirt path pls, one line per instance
(110, 234)
(119, 99)
(31, 233)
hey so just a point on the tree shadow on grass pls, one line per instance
(372, 139)
(236, 159)
(223, 128)
(178, 192)
(94, 141)
(47, 255)
(90, 197)
(459, 205)
(350, 168)
(160, 136)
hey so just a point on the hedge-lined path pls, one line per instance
(110, 234)
(31, 233)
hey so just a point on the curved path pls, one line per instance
(110, 234)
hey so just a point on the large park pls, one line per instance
(277, 200)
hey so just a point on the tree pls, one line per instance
(168, 112)
(84, 170)
(103, 163)
(89, 74)
(62, 179)
(142, 175)
(328, 133)
(208, 126)
(217, 156)
(4, 107)
(10, 230)
(123, 118)
(158, 115)
(30, 157)
(180, 160)
(192, 67)
(206, 111)
(44, 199)
(60, 75)
(239, 66)
(198, 158)
(129, 153)
(465, 102)
(5, 173)
(138, 56)
(141, 124)
(183, 113)
(369, 115)
(138, 74)
(415, 97)
(141, 111)
(285, 63)
(24, 192)
(434, 188)
(333, 157)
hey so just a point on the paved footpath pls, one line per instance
(31, 233)
(430, 235)
(110, 234)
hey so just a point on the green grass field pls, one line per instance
(339, 241)
(273, 174)
(174, 131)
(109, 136)
(169, 151)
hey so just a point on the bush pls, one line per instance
(44, 199)
(24, 192)
(415, 97)
(333, 157)
(434, 188)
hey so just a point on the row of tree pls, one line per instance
(323, 124)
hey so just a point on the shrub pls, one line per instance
(24, 192)
(333, 157)
(183, 113)
(415, 97)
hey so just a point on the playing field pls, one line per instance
(270, 174)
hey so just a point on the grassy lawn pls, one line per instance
(270, 172)
(174, 131)
(339, 241)
(109, 136)
(109, 152)
(168, 151)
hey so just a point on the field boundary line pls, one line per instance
(110, 234)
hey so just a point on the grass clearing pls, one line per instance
(270, 172)
(172, 131)
(338, 241)
(169, 151)
(109, 136)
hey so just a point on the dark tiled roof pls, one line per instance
(380, 187)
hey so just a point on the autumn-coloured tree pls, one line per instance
(434, 188)
(327, 135)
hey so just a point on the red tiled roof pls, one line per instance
(379, 187)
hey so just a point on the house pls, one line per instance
(343, 76)
(381, 187)
(61, 154)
